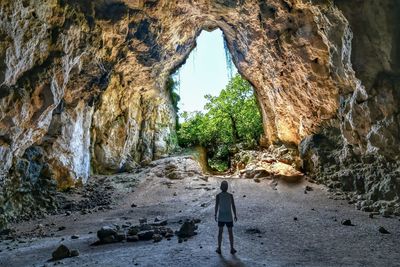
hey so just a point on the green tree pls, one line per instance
(231, 117)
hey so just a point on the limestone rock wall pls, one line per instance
(363, 157)
(84, 81)
(372, 113)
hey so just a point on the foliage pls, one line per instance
(230, 118)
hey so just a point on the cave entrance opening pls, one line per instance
(217, 111)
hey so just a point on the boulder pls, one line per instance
(63, 252)
(107, 234)
(187, 229)
(146, 235)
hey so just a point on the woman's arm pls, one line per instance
(234, 208)
(216, 206)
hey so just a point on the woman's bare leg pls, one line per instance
(230, 231)
(220, 230)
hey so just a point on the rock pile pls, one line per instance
(145, 231)
(277, 161)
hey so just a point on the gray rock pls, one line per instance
(160, 223)
(157, 238)
(347, 222)
(187, 229)
(146, 235)
(107, 234)
(308, 188)
(382, 230)
(61, 252)
(134, 230)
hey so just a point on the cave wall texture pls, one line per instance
(82, 87)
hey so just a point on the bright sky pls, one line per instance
(205, 72)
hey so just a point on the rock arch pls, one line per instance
(82, 83)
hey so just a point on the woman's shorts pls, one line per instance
(228, 224)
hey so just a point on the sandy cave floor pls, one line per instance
(316, 238)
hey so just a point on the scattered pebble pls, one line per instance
(382, 230)
(347, 222)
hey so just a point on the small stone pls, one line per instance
(133, 230)
(253, 231)
(125, 225)
(257, 180)
(180, 240)
(308, 188)
(347, 222)
(196, 220)
(74, 236)
(382, 230)
(107, 234)
(146, 235)
(61, 252)
(244, 195)
(61, 228)
(371, 215)
(67, 213)
(133, 205)
(157, 238)
(295, 218)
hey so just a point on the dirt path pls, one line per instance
(316, 238)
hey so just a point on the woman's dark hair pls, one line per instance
(224, 186)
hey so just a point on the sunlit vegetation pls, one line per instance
(231, 118)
